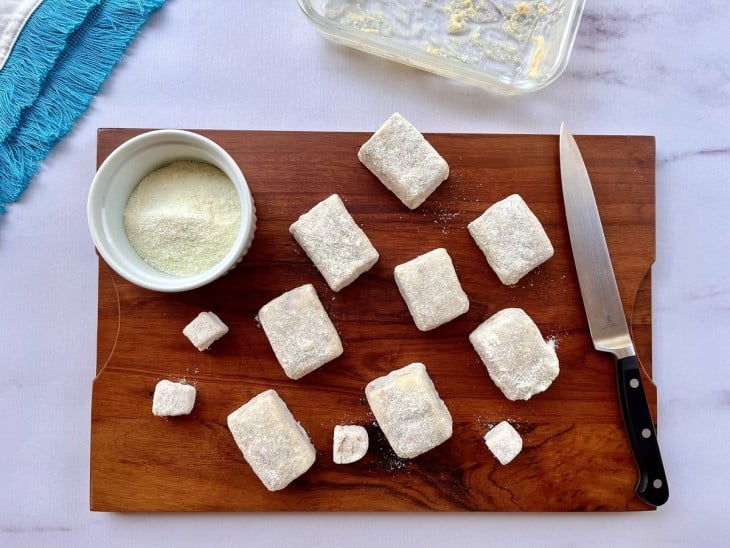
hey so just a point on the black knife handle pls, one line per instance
(651, 486)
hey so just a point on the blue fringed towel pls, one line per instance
(54, 57)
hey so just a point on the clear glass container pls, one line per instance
(508, 46)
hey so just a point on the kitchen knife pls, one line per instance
(606, 319)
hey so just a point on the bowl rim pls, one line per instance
(97, 195)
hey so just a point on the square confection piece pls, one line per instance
(349, 443)
(172, 399)
(504, 442)
(300, 332)
(335, 244)
(204, 330)
(431, 289)
(273, 443)
(518, 359)
(511, 238)
(404, 161)
(409, 410)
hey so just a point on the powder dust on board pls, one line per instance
(183, 218)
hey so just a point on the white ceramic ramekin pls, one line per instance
(117, 177)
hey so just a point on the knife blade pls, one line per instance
(606, 320)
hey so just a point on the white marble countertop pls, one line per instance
(654, 67)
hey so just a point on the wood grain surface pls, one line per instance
(575, 456)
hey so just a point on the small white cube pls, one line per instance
(519, 361)
(431, 289)
(300, 332)
(204, 330)
(511, 238)
(350, 443)
(504, 442)
(172, 399)
(404, 161)
(273, 443)
(409, 410)
(339, 248)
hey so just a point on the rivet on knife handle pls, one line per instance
(651, 486)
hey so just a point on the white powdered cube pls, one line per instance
(273, 443)
(511, 238)
(339, 248)
(404, 161)
(504, 442)
(204, 330)
(431, 289)
(300, 332)
(350, 443)
(172, 399)
(409, 410)
(518, 359)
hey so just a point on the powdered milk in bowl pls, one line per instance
(170, 210)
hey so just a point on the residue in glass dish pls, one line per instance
(500, 37)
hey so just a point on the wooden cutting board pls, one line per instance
(575, 455)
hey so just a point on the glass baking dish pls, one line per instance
(506, 46)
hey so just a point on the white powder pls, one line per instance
(336, 245)
(431, 289)
(350, 443)
(409, 410)
(518, 359)
(183, 218)
(504, 442)
(512, 239)
(404, 161)
(300, 332)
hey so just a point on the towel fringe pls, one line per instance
(59, 62)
